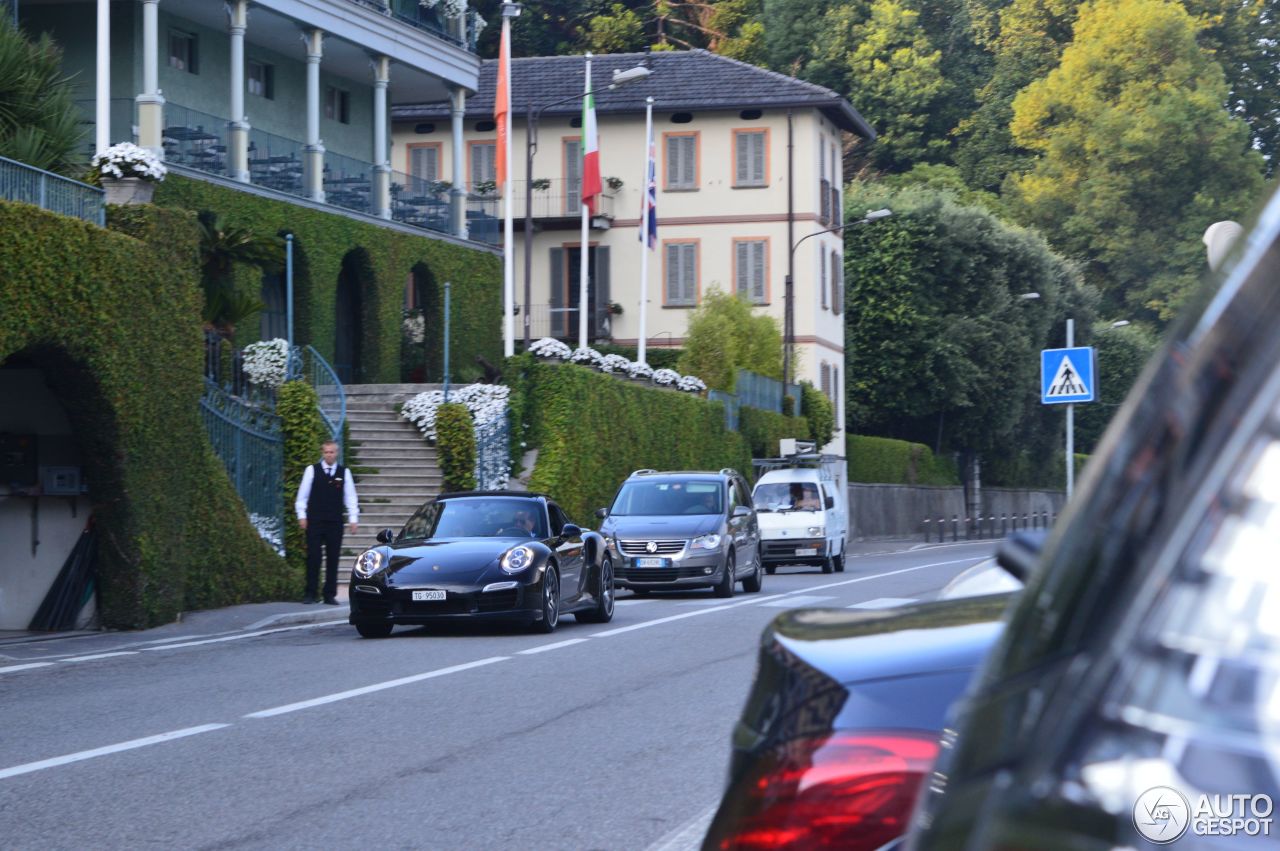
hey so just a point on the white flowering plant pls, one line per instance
(270, 530)
(613, 363)
(414, 326)
(586, 356)
(451, 8)
(691, 384)
(640, 370)
(125, 159)
(666, 377)
(488, 406)
(549, 347)
(267, 362)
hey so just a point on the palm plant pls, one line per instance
(39, 122)
(222, 248)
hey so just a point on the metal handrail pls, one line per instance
(52, 192)
(308, 365)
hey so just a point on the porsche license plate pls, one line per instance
(806, 551)
(651, 562)
(427, 595)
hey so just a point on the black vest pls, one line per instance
(325, 502)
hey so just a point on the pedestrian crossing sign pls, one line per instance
(1067, 376)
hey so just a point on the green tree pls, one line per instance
(223, 247)
(1120, 353)
(1109, 186)
(619, 31)
(725, 336)
(39, 122)
(793, 28)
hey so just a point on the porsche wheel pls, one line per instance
(550, 603)
(374, 629)
(602, 612)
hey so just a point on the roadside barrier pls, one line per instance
(979, 528)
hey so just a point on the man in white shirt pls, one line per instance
(327, 488)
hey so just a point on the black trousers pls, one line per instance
(326, 533)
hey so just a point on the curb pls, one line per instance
(338, 615)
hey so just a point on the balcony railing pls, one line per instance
(548, 320)
(348, 183)
(557, 199)
(53, 192)
(195, 139)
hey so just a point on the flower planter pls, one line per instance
(127, 190)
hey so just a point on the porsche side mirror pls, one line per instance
(742, 511)
(831, 501)
(570, 530)
(602, 513)
(386, 536)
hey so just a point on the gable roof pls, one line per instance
(681, 80)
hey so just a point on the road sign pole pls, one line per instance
(1071, 421)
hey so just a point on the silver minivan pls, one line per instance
(683, 529)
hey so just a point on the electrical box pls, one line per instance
(18, 460)
(60, 481)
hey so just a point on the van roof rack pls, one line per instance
(728, 471)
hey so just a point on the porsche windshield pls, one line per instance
(478, 517)
(663, 498)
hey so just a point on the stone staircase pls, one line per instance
(407, 472)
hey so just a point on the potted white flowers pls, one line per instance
(666, 378)
(691, 384)
(640, 372)
(550, 349)
(613, 363)
(266, 363)
(586, 356)
(128, 173)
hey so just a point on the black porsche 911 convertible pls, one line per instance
(485, 555)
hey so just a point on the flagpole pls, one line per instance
(646, 211)
(584, 251)
(509, 11)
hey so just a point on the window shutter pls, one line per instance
(572, 175)
(743, 175)
(673, 161)
(424, 163)
(742, 260)
(822, 284)
(603, 318)
(673, 274)
(689, 272)
(757, 272)
(837, 285)
(757, 158)
(558, 322)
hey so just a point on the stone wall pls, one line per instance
(901, 511)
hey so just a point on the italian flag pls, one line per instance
(590, 149)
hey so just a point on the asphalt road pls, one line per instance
(595, 737)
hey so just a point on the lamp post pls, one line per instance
(788, 321)
(531, 115)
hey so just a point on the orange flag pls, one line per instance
(502, 103)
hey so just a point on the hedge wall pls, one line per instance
(304, 433)
(114, 322)
(383, 261)
(763, 430)
(456, 445)
(896, 462)
(592, 430)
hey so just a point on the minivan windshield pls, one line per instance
(664, 498)
(787, 496)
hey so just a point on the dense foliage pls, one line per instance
(456, 446)
(39, 122)
(174, 534)
(378, 261)
(724, 336)
(304, 432)
(818, 410)
(592, 430)
(763, 429)
(881, 460)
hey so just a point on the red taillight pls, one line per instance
(849, 790)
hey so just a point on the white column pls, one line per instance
(458, 194)
(584, 251)
(460, 23)
(238, 127)
(149, 101)
(102, 80)
(313, 150)
(381, 158)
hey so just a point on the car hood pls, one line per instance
(455, 561)
(789, 524)
(677, 526)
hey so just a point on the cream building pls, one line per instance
(749, 163)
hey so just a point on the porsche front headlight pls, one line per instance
(368, 563)
(517, 559)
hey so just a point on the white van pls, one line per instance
(802, 505)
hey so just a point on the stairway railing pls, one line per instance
(306, 364)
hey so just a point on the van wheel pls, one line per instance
(828, 565)
(839, 562)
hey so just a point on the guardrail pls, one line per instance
(983, 526)
(52, 192)
(308, 365)
(248, 441)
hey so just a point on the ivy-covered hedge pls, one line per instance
(456, 447)
(113, 319)
(763, 430)
(817, 409)
(593, 430)
(882, 460)
(382, 260)
(304, 432)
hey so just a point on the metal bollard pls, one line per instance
(955, 527)
(991, 526)
(1004, 524)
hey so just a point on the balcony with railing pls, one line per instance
(53, 192)
(551, 320)
(556, 199)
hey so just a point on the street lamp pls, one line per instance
(620, 78)
(788, 321)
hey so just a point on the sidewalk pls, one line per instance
(257, 616)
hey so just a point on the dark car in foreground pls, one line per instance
(482, 555)
(676, 530)
(1134, 698)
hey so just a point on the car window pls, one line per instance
(744, 493)
(647, 498)
(558, 519)
(786, 496)
(476, 517)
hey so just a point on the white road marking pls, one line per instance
(710, 601)
(544, 648)
(29, 767)
(802, 600)
(689, 836)
(357, 692)
(28, 666)
(627, 601)
(670, 618)
(101, 656)
(883, 603)
(243, 635)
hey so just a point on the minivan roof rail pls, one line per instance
(645, 472)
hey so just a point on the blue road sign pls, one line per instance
(1067, 376)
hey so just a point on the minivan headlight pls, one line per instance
(517, 559)
(817, 532)
(368, 563)
(705, 542)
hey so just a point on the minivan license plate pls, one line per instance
(806, 551)
(428, 595)
(651, 562)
